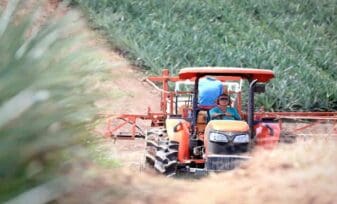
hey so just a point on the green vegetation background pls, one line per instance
(296, 38)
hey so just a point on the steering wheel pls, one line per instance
(220, 115)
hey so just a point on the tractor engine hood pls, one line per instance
(227, 126)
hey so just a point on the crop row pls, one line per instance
(297, 39)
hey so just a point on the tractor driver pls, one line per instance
(223, 110)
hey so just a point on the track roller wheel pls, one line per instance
(161, 154)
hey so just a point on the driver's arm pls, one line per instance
(236, 114)
(214, 114)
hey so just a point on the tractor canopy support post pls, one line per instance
(250, 116)
(195, 107)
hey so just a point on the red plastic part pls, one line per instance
(267, 134)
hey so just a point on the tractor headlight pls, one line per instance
(241, 138)
(217, 137)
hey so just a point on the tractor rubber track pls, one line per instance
(161, 154)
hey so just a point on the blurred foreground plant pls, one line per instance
(46, 106)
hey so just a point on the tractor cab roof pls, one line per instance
(261, 75)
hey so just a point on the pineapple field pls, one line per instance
(297, 39)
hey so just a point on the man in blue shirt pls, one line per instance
(223, 111)
(209, 89)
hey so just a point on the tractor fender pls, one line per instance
(267, 134)
(178, 131)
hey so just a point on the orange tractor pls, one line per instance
(184, 139)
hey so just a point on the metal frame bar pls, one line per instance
(167, 96)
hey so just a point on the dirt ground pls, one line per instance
(304, 172)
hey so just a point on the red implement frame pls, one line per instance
(111, 129)
(158, 119)
(311, 119)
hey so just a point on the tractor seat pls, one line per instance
(205, 109)
(203, 117)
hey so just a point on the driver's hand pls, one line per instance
(223, 114)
